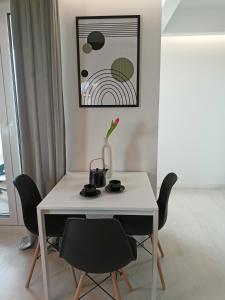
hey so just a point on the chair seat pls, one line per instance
(136, 225)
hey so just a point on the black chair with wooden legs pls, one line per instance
(143, 225)
(98, 246)
(30, 198)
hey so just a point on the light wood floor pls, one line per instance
(194, 266)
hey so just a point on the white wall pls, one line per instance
(197, 20)
(135, 141)
(192, 110)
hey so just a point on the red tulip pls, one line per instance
(112, 127)
(117, 121)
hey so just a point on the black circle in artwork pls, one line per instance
(84, 73)
(96, 39)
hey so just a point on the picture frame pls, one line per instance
(108, 57)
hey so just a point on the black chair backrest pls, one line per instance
(95, 245)
(30, 198)
(166, 187)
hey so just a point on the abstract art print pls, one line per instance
(108, 60)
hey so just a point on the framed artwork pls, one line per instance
(108, 49)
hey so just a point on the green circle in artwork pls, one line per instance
(122, 69)
(87, 48)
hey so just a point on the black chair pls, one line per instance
(30, 198)
(98, 246)
(143, 225)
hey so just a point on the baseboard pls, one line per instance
(13, 229)
(197, 186)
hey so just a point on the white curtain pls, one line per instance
(36, 39)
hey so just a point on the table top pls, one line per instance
(138, 197)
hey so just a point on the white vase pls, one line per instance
(107, 156)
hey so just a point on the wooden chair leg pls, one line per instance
(35, 257)
(159, 246)
(124, 273)
(74, 275)
(159, 268)
(161, 273)
(160, 249)
(115, 287)
(79, 287)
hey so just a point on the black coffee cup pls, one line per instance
(89, 189)
(115, 185)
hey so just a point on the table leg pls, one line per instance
(154, 255)
(44, 261)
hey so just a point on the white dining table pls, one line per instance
(137, 199)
